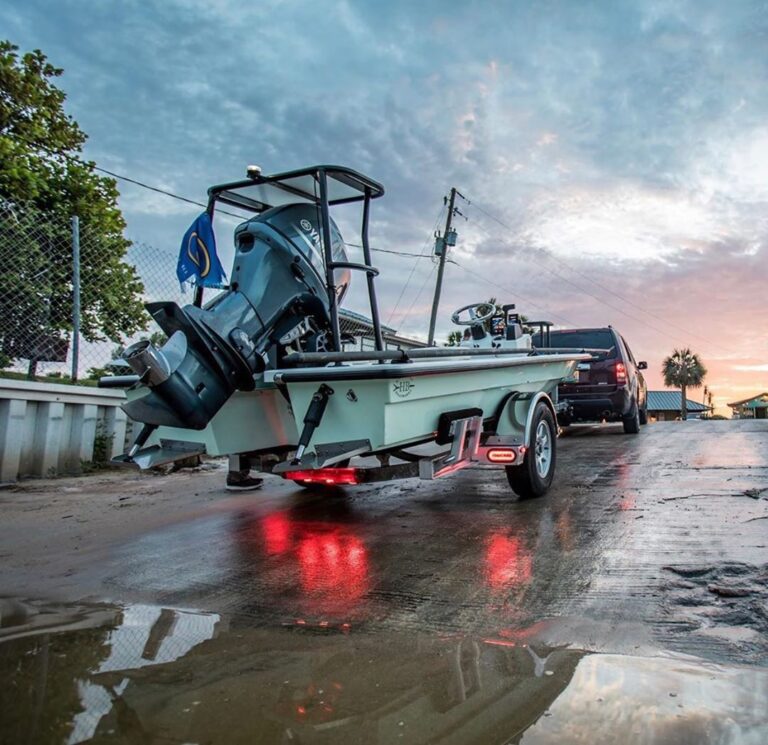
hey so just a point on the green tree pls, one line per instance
(43, 183)
(485, 307)
(683, 369)
(454, 339)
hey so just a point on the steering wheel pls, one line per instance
(474, 318)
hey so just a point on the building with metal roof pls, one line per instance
(664, 406)
(755, 407)
(358, 332)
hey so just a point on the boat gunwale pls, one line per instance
(395, 370)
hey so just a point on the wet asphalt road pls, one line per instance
(632, 599)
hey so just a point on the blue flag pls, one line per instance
(198, 262)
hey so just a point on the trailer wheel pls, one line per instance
(534, 476)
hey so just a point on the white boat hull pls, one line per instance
(395, 406)
(248, 421)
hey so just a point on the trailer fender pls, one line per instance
(540, 396)
(516, 417)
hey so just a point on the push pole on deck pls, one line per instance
(441, 268)
(75, 296)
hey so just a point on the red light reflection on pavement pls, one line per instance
(507, 563)
(627, 503)
(333, 565)
(277, 533)
(316, 570)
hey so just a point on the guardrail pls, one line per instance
(47, 429)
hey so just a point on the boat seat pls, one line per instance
(478, 333)
(514, 331)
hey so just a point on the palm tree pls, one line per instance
(683, 369)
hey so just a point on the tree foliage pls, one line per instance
(454, 338)
(43, 183)
(683, 369)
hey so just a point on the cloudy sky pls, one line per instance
(614, 156)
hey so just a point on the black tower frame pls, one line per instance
(324, 186)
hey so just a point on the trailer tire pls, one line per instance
(534, 476)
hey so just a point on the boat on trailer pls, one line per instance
(261, 368)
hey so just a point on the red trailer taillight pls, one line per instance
(327, 476)
(501, 455)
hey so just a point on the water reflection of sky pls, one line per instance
(614, 699)
(182, 676)
(146, 635)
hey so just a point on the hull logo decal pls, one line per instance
(403, 388)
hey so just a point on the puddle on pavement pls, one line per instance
(145, 674)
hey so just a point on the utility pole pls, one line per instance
(441, 267)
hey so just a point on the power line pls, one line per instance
(421, 289)
(587, 277)
(525, 299)
(610, 291)
(113, 174)
(388, 251)
(415, 264)
(591, 294)
(171, 194)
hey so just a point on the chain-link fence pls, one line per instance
(48, 261)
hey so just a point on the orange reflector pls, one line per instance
(501, 455)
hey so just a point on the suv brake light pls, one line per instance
(621, 373)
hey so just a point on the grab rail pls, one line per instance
(370, 270)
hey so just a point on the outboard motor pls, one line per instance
(277, 295)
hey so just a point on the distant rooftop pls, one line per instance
(357, 323)
(760, 401)
(670, 401)
(350, 315)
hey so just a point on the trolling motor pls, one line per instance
(277, 297)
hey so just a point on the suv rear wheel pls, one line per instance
(632, 420)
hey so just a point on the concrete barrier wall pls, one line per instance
(48, 429)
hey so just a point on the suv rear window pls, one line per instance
(582, 339)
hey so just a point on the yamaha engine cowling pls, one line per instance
(277, 287)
